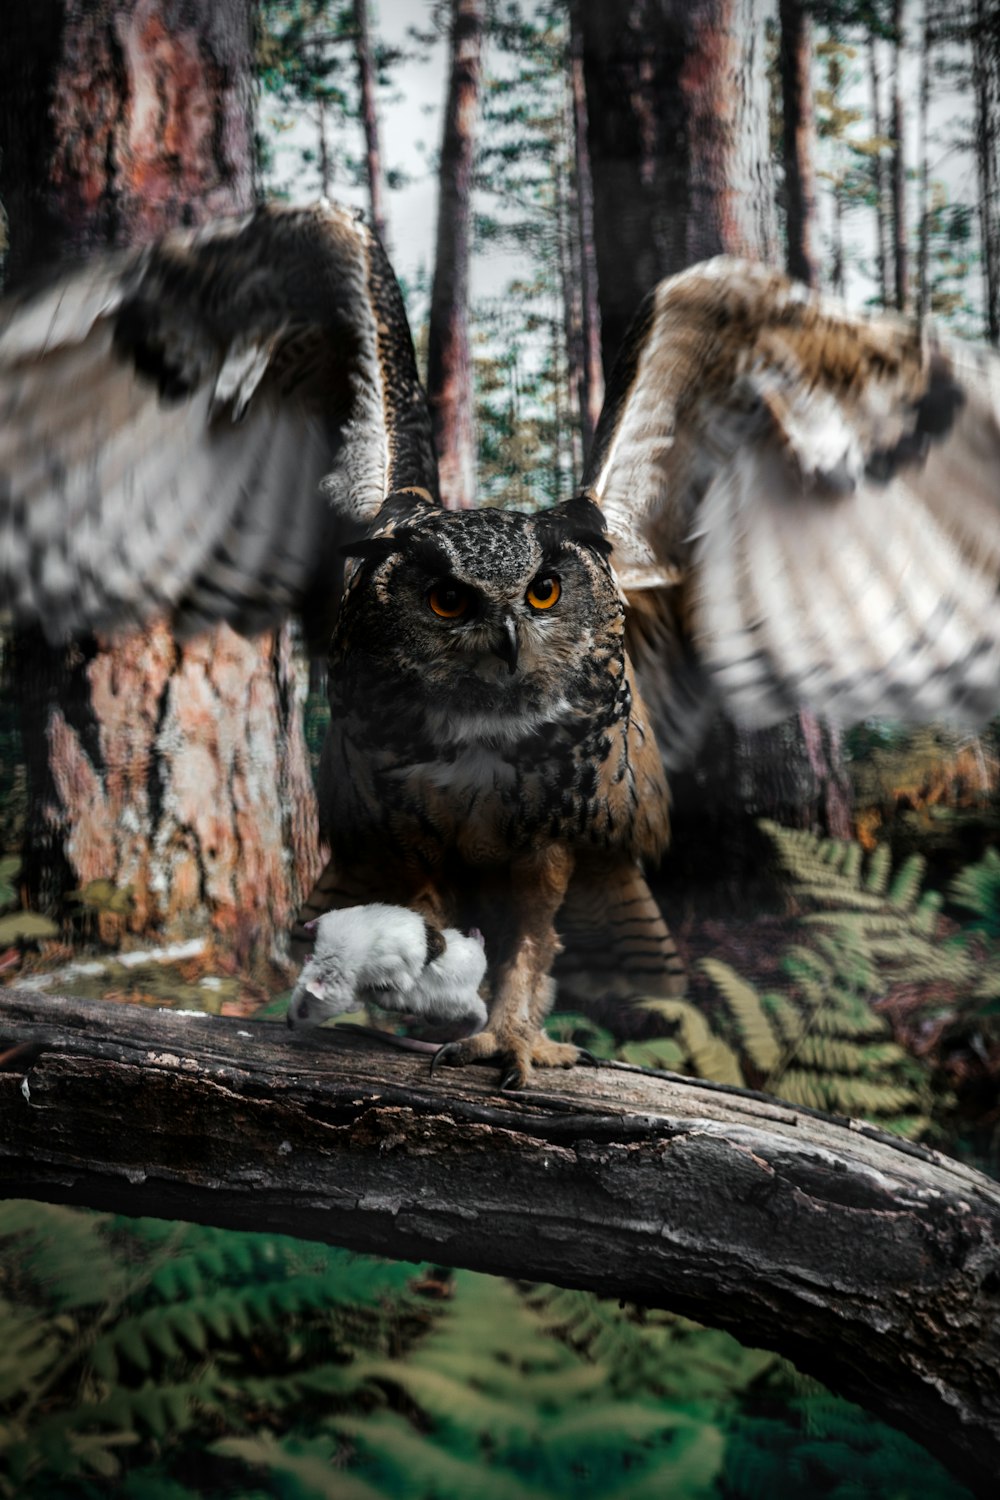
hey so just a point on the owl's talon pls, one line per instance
(587, 1058)
(513, 1079)
(447, 1053)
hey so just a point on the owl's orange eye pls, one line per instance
(449, 600)
(544, 592)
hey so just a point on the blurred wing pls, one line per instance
(805, 508)
(173, 416)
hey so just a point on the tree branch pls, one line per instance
(872, 1263)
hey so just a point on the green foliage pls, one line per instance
(528, 452)
(490, 1380)
(168, 1360)
(301, 72)
(705, 1052)
(306, 70)
(20, 926)
(862, 930)
(26, 926)
(977, 889)
(104, 896)
(820, 1445)
(9, 869)
(315, 719)
(129, 1345)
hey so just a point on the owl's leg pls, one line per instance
(522, 989)
(618, 950)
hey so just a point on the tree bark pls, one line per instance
(837, 264)
(369, 117)
(323, 138)
(878, 175)
(449, 366)
(798, 133)
(872, 1262)
(175, 771)
(677, 129)
(924, 206)
(591, 375)
(984, 63)
(898, 171)
(567, 345)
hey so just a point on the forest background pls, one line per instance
(837, 898)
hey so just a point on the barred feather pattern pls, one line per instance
(169, 414)
(809, 502)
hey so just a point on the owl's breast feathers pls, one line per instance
(408, 781)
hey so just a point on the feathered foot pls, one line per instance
(516, 1054)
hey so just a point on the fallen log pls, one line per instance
(872, 1263)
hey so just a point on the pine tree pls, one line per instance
(527, 190)
(318, 62)
(448, 359)
(798, 130)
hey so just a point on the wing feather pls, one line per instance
(195, 427)
(809, 501)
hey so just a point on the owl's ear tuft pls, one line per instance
(372, 548)
(578, 520)
(403, 507)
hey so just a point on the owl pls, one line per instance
(785, 507)
(488, 746)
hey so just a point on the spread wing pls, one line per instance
(805, 508)
(170, 413)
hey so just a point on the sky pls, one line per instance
(411, 115)
(411, 122)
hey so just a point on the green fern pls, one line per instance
(133, 1339)
(10, 868)
(705, 1052)
(59, 1255)
(862, 931)
(490, 1386)
(359, 1389)
(306, 1469)
(760, 1039)
(977, 889)
(822, 1445)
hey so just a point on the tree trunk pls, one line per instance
(568, 358)
(869, 1261)
(798, 133)
(677, 128)
(924, 211)
(591, 374)
(176, 772)
(449, 365)
(984, 85)
(878, 175)
(676, 95)
(837, 265)
(899, 238)
(325, 159)
(369, 116)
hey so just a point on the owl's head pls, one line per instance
(497, 620)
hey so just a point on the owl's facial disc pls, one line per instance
(489, 618)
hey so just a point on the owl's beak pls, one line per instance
(506, 646)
